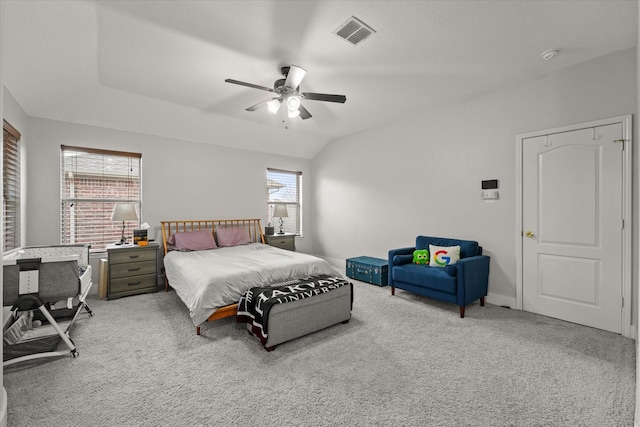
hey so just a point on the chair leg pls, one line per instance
(393, 290)
(462, 311)
(482, 302)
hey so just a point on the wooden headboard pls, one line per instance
(252, 225)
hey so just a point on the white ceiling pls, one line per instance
(158, 67)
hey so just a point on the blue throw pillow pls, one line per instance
(450, 269)
(402, 259)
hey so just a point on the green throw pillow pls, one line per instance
(421, 256)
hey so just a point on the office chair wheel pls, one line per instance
(75, 354)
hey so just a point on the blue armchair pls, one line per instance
(461, 283)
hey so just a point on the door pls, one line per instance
(572, 222)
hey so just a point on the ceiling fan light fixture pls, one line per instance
(287, 91)
(293, 113)
(293, 103)
(273, 105)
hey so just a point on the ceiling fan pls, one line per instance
(287, 92)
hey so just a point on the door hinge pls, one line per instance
(622, 302)
(622, 141)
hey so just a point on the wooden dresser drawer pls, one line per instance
(133, 283)
(135, 255)
(133, 269)
(287, 242)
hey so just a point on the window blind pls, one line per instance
(92, 181)
(285, 188)
(11, 187)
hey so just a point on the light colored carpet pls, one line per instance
(402, 360)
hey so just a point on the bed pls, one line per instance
(210, 281)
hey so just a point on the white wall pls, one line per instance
(379, 189)
(180, 179)
(13, 113)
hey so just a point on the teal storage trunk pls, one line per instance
(368, 269)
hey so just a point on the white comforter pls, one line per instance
(208, 280)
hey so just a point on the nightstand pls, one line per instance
(133, 270)
(283, 241)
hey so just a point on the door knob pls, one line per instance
(530, 234)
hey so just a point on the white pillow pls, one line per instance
(443, 255)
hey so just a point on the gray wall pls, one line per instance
(365, 193)
(180, 179)
(378, 189)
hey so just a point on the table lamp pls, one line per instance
(123, 212)
(280, 211)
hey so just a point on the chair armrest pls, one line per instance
(391, 264)
(473, 278)
(399, 251)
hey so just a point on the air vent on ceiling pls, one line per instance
(354, 31)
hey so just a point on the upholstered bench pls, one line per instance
(317, 310)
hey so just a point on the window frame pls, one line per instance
(11, 187)
(100, 178)
(293, 224)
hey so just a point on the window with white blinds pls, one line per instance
(92, 181)
(11, 187)
(285, 188)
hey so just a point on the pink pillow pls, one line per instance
(232, 236)
(192, 240)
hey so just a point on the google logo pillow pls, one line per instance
(443, 255)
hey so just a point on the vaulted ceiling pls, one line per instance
(159, 67)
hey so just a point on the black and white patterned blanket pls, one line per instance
(254, 305)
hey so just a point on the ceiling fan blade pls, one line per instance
(304, 113)
(258, 105)
(238, 82)
(295, 76)
(266, 102)
(324, 97)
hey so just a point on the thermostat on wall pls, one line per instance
(490, 190)
(490, 184)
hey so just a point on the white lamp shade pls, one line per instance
(293, 102)
(274, 105)
(280, 211)
(293, 113)
(124, 212)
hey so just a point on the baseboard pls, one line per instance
(337, 263)
(501, 300)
